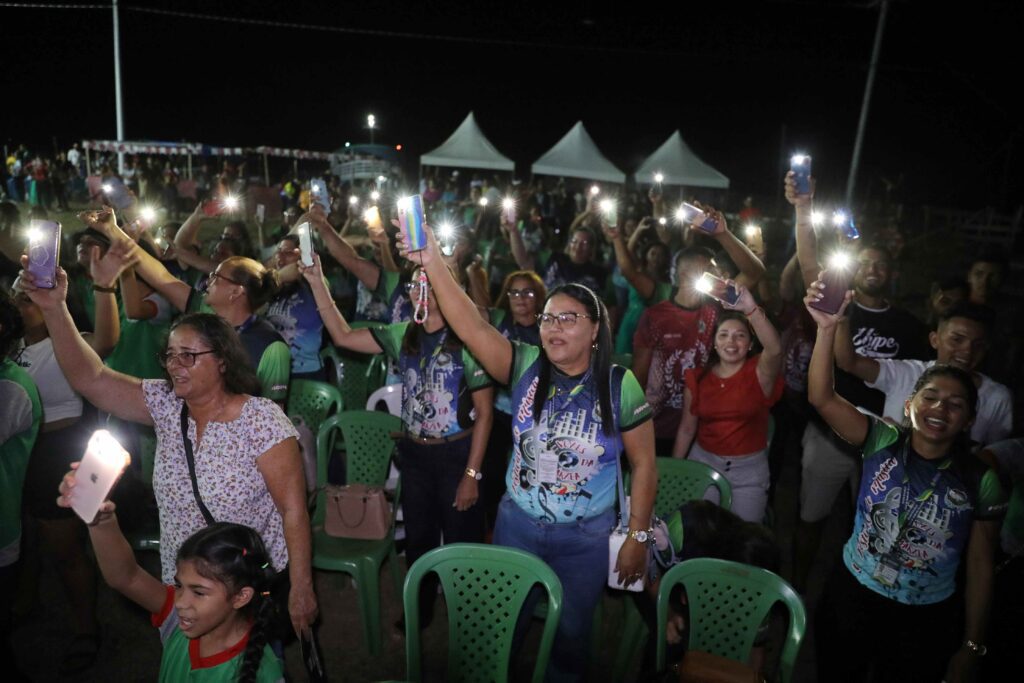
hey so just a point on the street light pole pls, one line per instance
(117, 86)
(851, 180)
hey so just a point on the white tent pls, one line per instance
(468, 147)
(680, 166)
(576, 156)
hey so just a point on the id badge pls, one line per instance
(547, 467)
(887, 571)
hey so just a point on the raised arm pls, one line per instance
(105, 272)
(109, 391)
(186, 237)
(841, 416)
(751, 268)
(806, 241)
(366, 271)
(643, 283)
(524, 259)
(848, 359)
(485, 342)
(341, 332)
(769, 364)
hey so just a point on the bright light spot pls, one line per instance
(446, 231)
(33, 234)
(594, 189)
(398, 148)
(607, 205)
(483, 201)
(382, 179)
(817, 218)
(148, 214)
(839, 219)
(663, 221)
(353, 200)
(107, 448)
(108, 188)
(508, 203)
(839, 260)
(703, 284)
(681, 214)
(798, 159)
(405, 203)
(752, 230)
(375, 195)
(231, 202)
(347, 145)
(371, 120)
(658, 177)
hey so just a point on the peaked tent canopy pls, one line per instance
(576, 156)
(680, 166)
(468, 147)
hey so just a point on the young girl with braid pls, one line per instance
(215, 619)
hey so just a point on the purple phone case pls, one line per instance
(44, 253)
(837, 283)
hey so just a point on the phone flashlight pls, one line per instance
(483, 201)
(353, 200)
(663, 221)
(595, 190)
(508, 210)
(100, 468)
(716, 288)
(609, 211)
(372, 218)
(659, 178)
(752, 231)
(148, 214)
(843, 221)
(837, 277)
(817, 218)
(108, 188)
(231, 202)
(375, 195)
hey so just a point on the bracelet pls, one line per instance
(753, 311)
(976, 648)
(105, 290)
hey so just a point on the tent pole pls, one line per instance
(266, 170)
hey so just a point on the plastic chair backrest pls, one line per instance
(728, 602)
(623, 359)
(680, 481)
(485, 587)
(391, 395)
(313, 401)
(332, 365)
(368, 448)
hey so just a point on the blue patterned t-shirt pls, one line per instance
(293, 314)
(571, 425)
(930, 551)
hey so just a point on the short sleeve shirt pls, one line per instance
(433, 380)
(993, 422)
(229, 481)
(571, 425)
(293, 314)
(181, 660)
(559, 269)
(679, 339)
(894, 479)
(513, 331)
(732, 412)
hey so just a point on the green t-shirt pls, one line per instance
(137, 348)
(181, 660)
(435, 382)
(21, 413)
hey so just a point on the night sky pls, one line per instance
(746, 84)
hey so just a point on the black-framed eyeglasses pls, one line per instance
(525, 293)
(215, 275)
(185, 358)
(565, 318)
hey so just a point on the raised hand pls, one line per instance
(120, 256)
(792, 197)
(424, 257)
(821, 318)
(46, 299)
(744, 299)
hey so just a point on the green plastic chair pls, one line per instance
(623, 359)
(313, 401)
(485, 587)
(369, 446)
(728, 602)
(679, 481)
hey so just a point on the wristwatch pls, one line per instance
(470, 472)
(977, 648)
(642, 536)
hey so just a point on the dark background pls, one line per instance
(745, 83)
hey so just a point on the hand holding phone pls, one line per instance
(800, 165)
(305, 245)
(697, 217)
(44, 252)
(97, 473)
(717, 288)
(836, 278)
(411, 221)
(318, 191)
(117, 194)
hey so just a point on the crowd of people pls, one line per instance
(547, 337)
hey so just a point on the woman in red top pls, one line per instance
(726, 404)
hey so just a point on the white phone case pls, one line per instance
(97, 474)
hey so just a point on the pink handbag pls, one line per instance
(356, 511)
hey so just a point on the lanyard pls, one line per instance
(905, 522)
(419, 314)
(432, 360)
(573, 393)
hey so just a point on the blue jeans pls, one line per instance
(578, 554)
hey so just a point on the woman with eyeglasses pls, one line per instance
(575, 416)
(245, 462)
(447, 409)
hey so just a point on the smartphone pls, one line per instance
(717, 288)
(658, 188)
(372, 218)
(261, 213)
(837, 277)
(410, 222)
(800, 165)
(212, 208)
(305, 245)
(508, 210)
(161, 246)
(99, 470)
(44, 252)
(117, 193)
(843, 220)
(318, 189)
(610, 212)
(754, 238)
(698, 217)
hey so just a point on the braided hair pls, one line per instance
(234, 555)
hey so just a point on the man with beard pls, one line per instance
(877, 330)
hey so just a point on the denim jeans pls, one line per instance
(578, 554)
